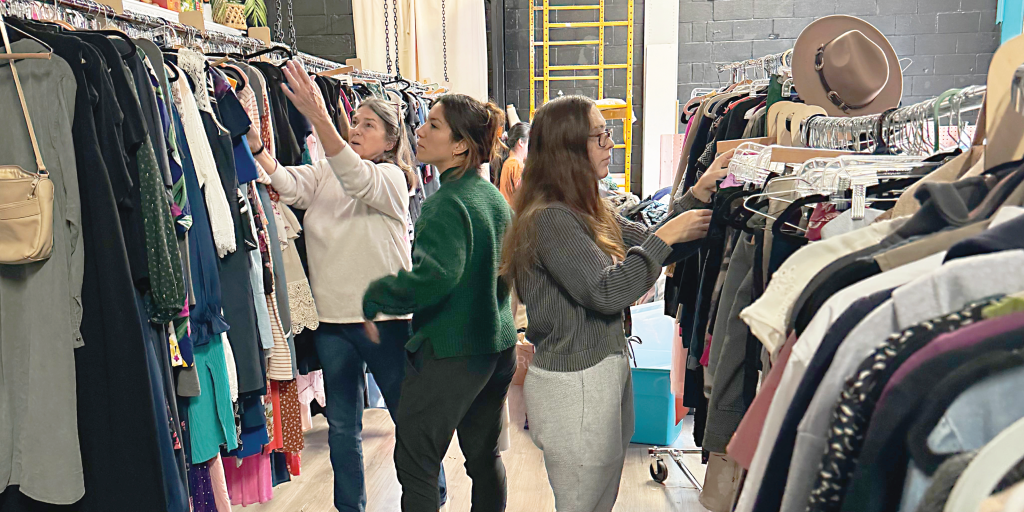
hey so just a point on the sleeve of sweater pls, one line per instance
(298, 184)
(635, 233)
(576, 263)
(380, 186)
(438, 261)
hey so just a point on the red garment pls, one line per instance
(744, 441)
(274, 422)
(294, 461)
(705, 358)
(823, 214)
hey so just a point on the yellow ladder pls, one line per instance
(623, 112)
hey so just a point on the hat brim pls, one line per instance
(808, 83)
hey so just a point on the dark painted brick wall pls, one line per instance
(950, 41)
(324, 28)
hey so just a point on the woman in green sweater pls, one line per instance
(462, 353)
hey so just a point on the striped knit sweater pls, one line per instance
(575, 294)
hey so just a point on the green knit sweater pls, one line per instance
(458, 301)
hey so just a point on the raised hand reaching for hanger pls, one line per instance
(304, 94)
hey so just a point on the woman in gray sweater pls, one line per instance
(577, 265)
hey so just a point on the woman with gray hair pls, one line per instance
(357, 205)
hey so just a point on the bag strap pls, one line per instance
(21, 96)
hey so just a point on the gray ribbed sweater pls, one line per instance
(575, 294)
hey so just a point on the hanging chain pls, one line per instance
(278, 33)
(444, 40)
(291, 28)
(387, 38)
(395, 10)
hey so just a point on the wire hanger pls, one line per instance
(268, 51)
(20, 56)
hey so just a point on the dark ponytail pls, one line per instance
(519, 132)
(478, 123)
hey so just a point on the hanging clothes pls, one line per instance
(42, 301)
(175, 268)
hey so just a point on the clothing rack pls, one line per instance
(210, 40)
(914, 129)
(773, 64)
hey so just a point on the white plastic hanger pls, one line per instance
(991, 464)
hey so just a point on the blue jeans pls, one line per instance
(345, 351)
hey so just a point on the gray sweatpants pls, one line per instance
(583, 422)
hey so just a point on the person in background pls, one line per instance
(512, 167)
(462, 354)
(517, 143)
(577, 265)
(356, 203)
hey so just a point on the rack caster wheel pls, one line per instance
(659, 470)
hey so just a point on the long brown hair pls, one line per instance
(558, 171)
(394, 133)
(479, 124)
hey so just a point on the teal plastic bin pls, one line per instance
(653, 401)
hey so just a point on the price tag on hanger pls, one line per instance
(261, 33)
(116, 5)
(193, 19)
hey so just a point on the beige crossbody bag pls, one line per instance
(26, 198)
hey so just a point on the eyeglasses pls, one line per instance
(604, 137)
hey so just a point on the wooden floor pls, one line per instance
(528, 485)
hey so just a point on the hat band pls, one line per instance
(833, 96)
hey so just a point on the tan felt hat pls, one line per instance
(846, 66)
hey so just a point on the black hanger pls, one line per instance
(399, 80)
(118, 34)
(267, 51)
(792, 214)
(236, 56)
(44, 25)
(240, 79)
(741, 216)
(175, 70)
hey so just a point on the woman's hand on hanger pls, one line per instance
(686, 227)
(304, 94)
(708, 182)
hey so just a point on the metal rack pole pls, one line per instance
(822, 132)
(91, 8)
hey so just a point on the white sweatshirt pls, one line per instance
(355, 227)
